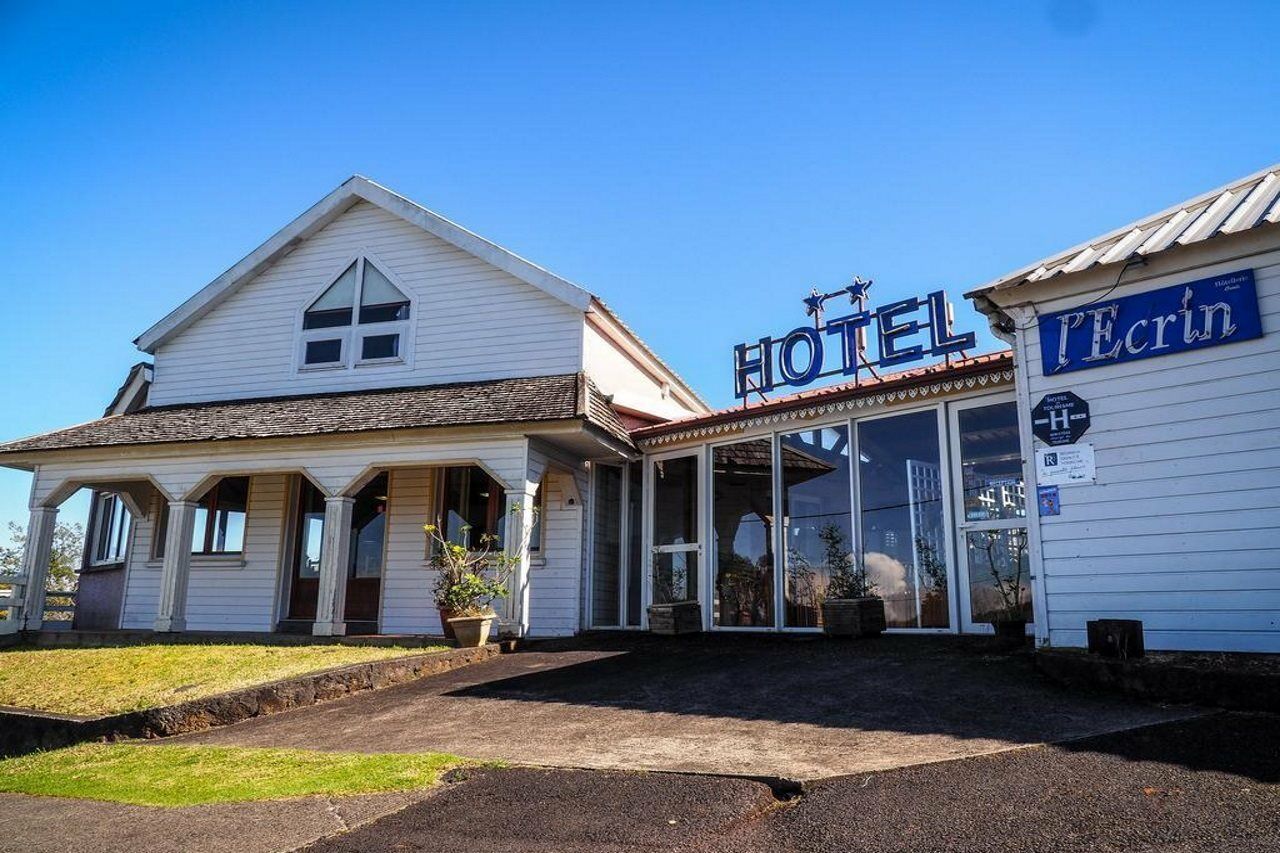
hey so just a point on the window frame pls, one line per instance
(111, 518)
(352, 335)
(161, 534)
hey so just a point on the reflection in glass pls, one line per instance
(634, 474)
(903, 537)
(999, 584)
(368, 529)
(742, 522)
(991, 463)
(311, 530)
(675, 525)
(606, 558)
(675, 505)
(675, 576)
(816, 518)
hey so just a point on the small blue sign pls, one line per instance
(1050, 503)
(1199, 314)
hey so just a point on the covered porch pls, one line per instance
(319, 534)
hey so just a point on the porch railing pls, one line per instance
(11, 589)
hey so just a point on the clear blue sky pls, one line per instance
(699, 166)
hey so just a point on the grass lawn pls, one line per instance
(197, 775)
(129, 678)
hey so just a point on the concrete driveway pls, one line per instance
(794, 708)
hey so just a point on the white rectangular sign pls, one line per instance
(1065, 465)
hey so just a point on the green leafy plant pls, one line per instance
(468, 581)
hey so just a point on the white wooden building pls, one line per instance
(373, 367)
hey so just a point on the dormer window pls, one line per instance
(360, 318)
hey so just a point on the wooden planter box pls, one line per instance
(680, 617)
(853, 617)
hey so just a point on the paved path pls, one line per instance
(56, 825)
(1206, 785)
(797, 709)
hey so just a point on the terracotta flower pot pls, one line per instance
(471, 632)
(445, 615)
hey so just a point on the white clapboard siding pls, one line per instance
(223, 596)
(142, 577)
(554, 577)
(1182, 528)
(471, 320)
(407, 603)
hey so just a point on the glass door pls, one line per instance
(995, 577)
(675, 543)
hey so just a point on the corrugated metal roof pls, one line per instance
(1247, 203)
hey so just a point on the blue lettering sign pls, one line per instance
(1199, 314)
(800, 355)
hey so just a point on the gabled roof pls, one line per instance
(1250, 202)
(516, 402)
(329, 208)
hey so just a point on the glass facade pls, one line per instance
(816, 517)
(742, 527)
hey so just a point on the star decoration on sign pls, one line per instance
(857, 293)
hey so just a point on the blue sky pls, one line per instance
(700, 166)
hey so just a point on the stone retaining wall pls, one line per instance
(23, 730)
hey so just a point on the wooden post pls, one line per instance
(176, 571)
(36, 555)
(335, 552)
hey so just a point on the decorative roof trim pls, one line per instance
(946, 386)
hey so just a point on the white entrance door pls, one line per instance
(991, 514)
(675, 519)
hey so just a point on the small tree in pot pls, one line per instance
(851, 607)
(469, 580)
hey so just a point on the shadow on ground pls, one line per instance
(793, 708)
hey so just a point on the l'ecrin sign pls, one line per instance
(800, 356)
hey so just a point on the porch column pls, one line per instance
(176, 571)
(520, 503)
(36, 555)
(335, 550)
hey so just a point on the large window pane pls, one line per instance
(369, 529)
(472, 507)
(742, 522)
(634, 549)
(232, 502)
(817, 522)
(991, 463)
(311, 530)
(675, 576)
(675, 503)
(675, 527)
(999, 574)
(606, 559)
(903, 538)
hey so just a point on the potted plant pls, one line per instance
(673, 611)
(850, 607)
(468, 581)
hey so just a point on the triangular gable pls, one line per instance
(353, 190)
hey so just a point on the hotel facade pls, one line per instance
(373, 367)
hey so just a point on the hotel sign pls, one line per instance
(839, 346)
(1199, 314)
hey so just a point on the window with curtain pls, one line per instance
(110, 537)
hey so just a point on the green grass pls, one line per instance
(129, 678)
(198, 775)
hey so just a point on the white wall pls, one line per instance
(407, 603)
(224, 594)
(617, 373)
(472, 320)
(1182, 528)
(554, 576)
